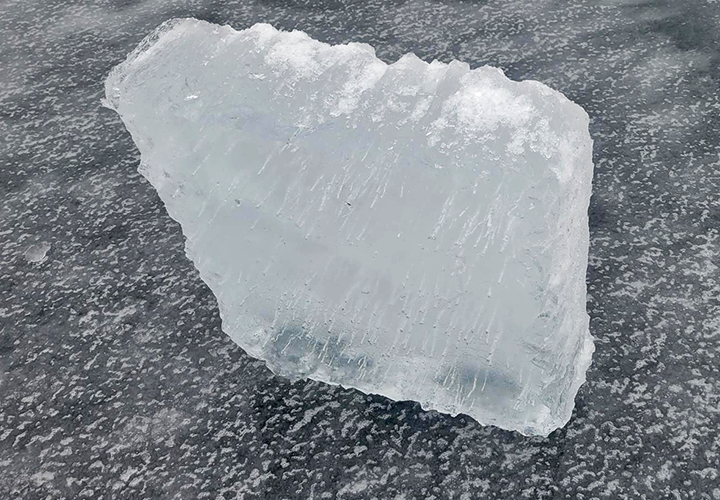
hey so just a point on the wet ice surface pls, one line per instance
(116, 380)
(413, 230)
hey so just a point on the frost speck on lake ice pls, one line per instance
(413, 230)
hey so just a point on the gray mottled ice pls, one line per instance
(414, 230)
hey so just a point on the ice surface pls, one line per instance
(413, 230)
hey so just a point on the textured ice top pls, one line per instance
(415, 230)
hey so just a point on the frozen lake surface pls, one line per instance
(116, 380)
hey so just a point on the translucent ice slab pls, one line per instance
(413, 230)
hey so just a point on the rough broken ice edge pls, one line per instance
(583, 356)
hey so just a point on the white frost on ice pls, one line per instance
(414, 230)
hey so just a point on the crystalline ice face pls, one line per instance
(414, 230)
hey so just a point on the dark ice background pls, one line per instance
(116, 380)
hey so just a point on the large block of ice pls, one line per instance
(414, 230)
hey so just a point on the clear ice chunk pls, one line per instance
(413, 230)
